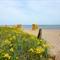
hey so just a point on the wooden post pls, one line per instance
(34, 26)
(39, 33)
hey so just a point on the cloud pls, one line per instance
(10, 9)
(26, 11)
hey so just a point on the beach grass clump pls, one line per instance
(18, 45)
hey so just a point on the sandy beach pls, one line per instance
(52, 36)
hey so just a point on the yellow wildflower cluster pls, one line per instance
(39, 50)
(38, 42)
(14, 37)
(12, 50)
(17, 58)
(7, 41)
(11, 45)
(31, 50)
(7, 56)
(10, 38)
(45, 45)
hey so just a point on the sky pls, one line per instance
(27, 12)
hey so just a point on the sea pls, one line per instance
(43, 26)
(39, 26)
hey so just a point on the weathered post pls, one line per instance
(39, 33)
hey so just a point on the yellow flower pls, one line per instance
(12, 50)
(41, 40)
(38, 42)
(45, 45)
(17, 58)
(7, 41)
(10, 38)
(31, 50)
(7, 56)
(14, 37)
(39, 50)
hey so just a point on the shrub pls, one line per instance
(18, 45)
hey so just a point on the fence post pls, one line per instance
(39, 33)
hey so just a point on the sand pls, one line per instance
(52, 36)
(30, 31)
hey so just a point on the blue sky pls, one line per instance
(26, 12)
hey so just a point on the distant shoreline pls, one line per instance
(40, 26)
(43, 26)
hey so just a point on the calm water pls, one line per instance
(43, 26)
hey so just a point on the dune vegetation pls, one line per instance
(18, 45)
